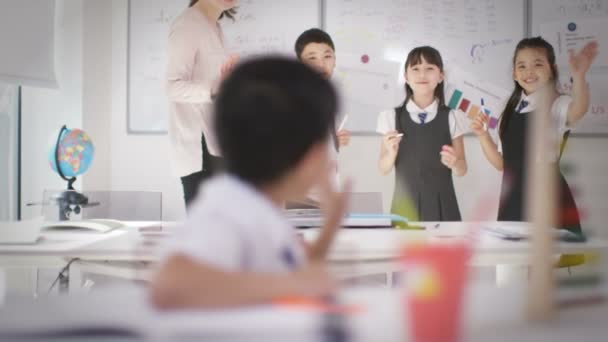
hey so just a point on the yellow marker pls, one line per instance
(405, 226)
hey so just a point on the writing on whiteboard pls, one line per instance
(478, 50)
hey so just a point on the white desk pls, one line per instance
(55, 248)
(377, 250)
(383, 318)
(355, 252)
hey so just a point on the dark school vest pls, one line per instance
(511, 207)
(423, 185)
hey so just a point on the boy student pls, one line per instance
(315, 48)
(236, 247)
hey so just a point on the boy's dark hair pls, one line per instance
(268, 114)
(228, 14)
(313, 35)
(431, 56)
(526, 43)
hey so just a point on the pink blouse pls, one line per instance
(195, 56)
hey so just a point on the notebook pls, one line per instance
(351, 220)
(365, 210)
(522, 231)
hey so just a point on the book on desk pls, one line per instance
(522, 231)
(311, 219)
(365, 210)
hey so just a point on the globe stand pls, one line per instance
(69, 201)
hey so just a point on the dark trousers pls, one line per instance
(192, 182)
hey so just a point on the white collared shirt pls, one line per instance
(559, 109)
(386, 119)
(559, 113)
(234, 227)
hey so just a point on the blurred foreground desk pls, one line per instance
(125, 314)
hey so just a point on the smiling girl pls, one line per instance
(422, 140)
(534, 69)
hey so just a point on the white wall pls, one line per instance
(45, 110)
(97, 90)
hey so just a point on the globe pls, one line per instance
(74, 150)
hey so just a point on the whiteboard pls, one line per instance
(373, 38)
(9, 113)
(545, 13)
(261, 27)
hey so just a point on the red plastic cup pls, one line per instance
(435, 276)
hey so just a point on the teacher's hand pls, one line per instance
(229, 65)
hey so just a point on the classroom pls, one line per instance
(105, 70)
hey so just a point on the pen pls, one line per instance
(483, 111)
(409, 227)
(396, 135)
(343, 122)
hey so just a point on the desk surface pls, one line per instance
(387, 243)
(383, 318)
(351, 244)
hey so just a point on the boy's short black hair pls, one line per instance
(269, 112)
(313, 35)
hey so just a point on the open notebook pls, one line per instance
(516, 231)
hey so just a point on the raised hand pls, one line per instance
(580, 62)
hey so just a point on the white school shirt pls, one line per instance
(386, 119)
(234, 227)
(559, 113)
(195, 56)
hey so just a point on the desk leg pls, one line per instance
(75, 278)
(389, 279)
(511, 274)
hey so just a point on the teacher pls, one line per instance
(197, 62)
